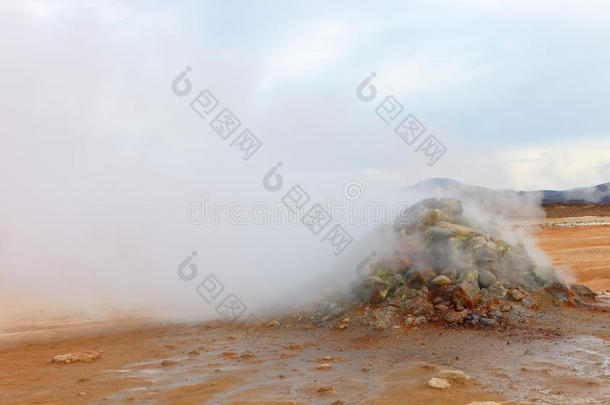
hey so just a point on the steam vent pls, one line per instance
(445, 269)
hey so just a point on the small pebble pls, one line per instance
(438, 383)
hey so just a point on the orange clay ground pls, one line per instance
(561, 358)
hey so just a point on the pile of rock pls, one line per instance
(446, 268)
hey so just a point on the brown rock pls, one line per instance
(467, 294)
(419, 320)
(516, 295)
(420, 278)
(374, 288)
(454, 316)
(560, 291)
(583, 292)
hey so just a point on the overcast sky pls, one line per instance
(516, 91)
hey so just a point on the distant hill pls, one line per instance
(596, 194)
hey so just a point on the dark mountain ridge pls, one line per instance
(599, 194)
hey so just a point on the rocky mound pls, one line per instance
(445, 268)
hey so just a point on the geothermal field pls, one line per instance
(453, 315)
(302, 202)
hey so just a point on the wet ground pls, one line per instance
(561, 356)
(545, 362)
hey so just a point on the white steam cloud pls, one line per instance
(100, 161)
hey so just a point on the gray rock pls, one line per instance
(489, 322)
(420, 320)
(486, 279)
(527, 303)
(560, 291)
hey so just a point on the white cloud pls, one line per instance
(583, 162)
(313, 49)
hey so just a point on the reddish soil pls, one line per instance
(581, 253)
(576, 210)
(561, 356)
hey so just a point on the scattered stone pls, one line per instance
(456, 375)
(527, 303)
(491, 322)
(381, 325)
(496, 314)
(419, 320)
(330, 359)
(84, 357)
(516, 295)
(441, 280)
(454, 317)
(274, 323)
(439, 383)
